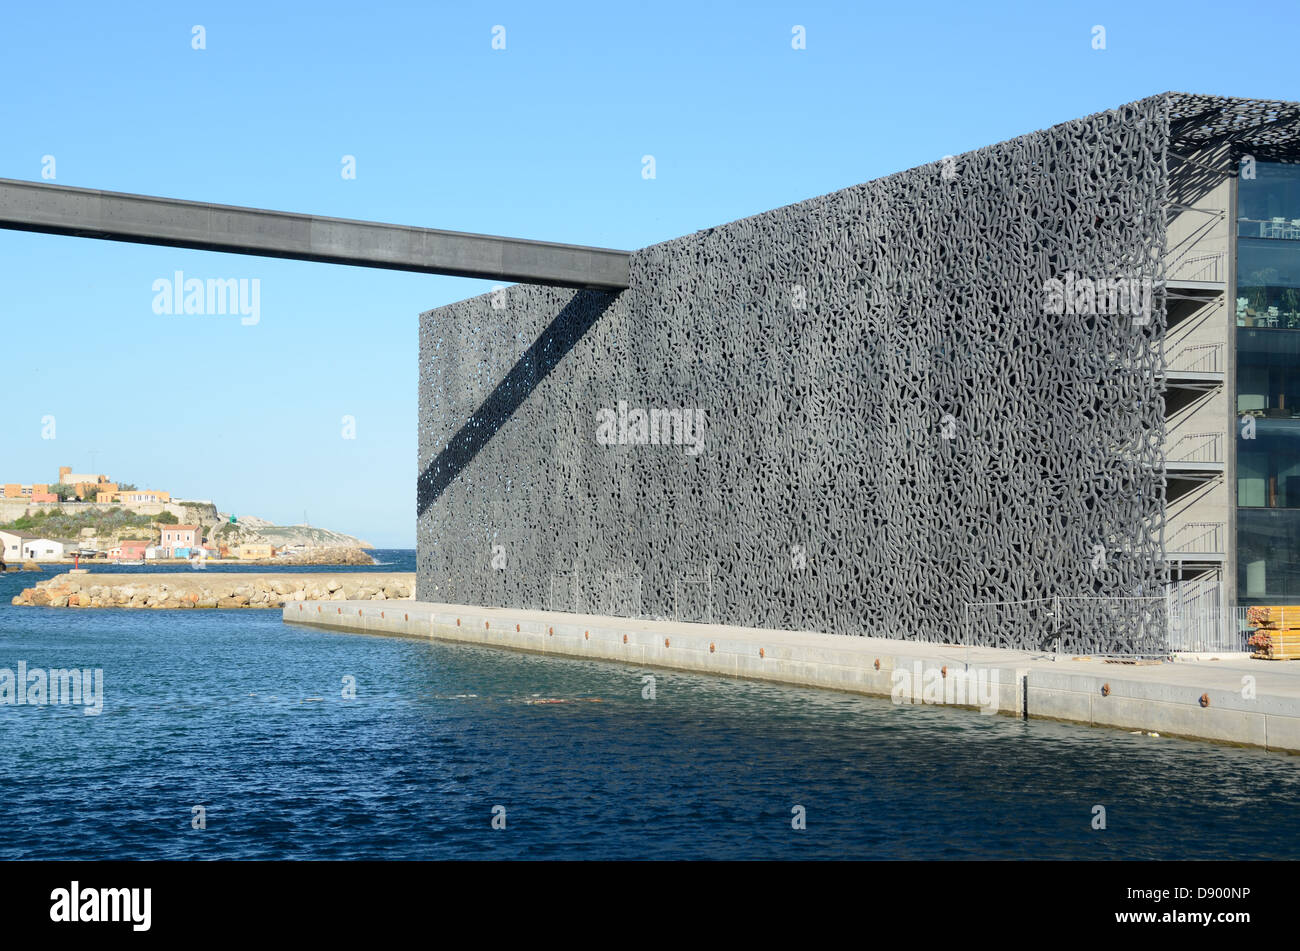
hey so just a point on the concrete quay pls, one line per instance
(1225, 698)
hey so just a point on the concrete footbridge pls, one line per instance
(171, 222)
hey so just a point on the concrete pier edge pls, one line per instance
(1232, 700)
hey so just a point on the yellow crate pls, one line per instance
(1282, 645)
(1272, 614)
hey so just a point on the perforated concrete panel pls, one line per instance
(881, 416)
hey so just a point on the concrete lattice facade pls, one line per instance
(894, 424)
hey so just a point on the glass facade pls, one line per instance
(1268, 384)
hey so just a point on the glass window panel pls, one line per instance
(1268, 248)
(1270, 198)
(1268, 554)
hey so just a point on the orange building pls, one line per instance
(82, 485)
(143, 495)
(28, 493)
(104, 491)
(68, 477)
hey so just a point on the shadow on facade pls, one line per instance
(561, 336)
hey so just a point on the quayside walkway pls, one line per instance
(1224, 698)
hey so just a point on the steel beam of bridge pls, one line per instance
(113, 216)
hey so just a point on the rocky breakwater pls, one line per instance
(215, 590)
(327, 556)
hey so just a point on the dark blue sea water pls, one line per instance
(243, 715)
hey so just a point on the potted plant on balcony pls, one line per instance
(1255, 309)
(1291, 307)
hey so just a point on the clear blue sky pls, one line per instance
(541, 140)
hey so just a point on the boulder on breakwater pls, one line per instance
(328, 556)
(215, 590)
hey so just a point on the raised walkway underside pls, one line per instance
(172, 222)
(1228, 699)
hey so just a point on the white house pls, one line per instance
(11, 545)
(44, 549)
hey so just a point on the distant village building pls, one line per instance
(133, 549)
(36, 492)
(129, 549)
(142, 495)
(256, 552)
(178, 539)
(83, 485)
(24, 546)
(102, 491)
(68, 477)
(11, 544)
(46, 549)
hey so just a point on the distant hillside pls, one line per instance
(104, 526)
(257, 531)
(111, 525)
(282, 535)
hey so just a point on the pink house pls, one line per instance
(180, 536)
(133, 549)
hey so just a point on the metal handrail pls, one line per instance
(1179, 257)
(1197, 531)
(1198, 621)
(1210, 270)
(1198, 358)
(1208, 449)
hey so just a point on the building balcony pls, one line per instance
(1193, 460)
(1196, 256)
(1199, 274)
(1194, 547)
(1196, 452)
(1197, 367)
